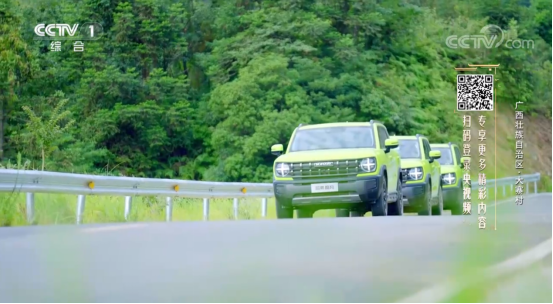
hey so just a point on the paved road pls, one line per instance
(381, 259)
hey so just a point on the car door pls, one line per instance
(457, 154)
(435, 165)
(393, 159)
(458, 168)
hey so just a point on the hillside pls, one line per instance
(500, 146)
(201, 89)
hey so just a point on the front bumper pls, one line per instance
(415, 194)
(352, 192)
(452, 195)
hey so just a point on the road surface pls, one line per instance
(380, 259)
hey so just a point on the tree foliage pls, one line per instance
(201, 89)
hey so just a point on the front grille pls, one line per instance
(337, 168)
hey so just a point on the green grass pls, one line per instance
(61, 209)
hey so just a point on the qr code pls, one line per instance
(475, 92)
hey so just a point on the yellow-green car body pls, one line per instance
(422, 188)
(452, 172)
(347, 166)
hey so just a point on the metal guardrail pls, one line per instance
(31, 182)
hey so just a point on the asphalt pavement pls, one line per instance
(373, 259)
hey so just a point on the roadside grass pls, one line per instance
(51, 209)
(62, 208)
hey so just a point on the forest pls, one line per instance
(200, 89)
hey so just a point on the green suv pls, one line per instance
(347, 166)
(452, 176)
(423, 187)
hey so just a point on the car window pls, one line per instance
(446, 158)
(409, 148)
(457, 154)
(332, 138)
(382, 136)
(426, 147)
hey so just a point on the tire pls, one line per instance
(380, 206)
(305, 213)
(283, 213)
(342, 212)
(397, 207)
(457, 207)
(427, 210)
(439, 209)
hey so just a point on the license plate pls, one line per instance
(328, 187)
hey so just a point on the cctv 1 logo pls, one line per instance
(60, 31)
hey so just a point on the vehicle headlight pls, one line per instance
(282, 169)
(368, 164)
(449, 178)
(415, 173)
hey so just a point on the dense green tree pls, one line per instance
(200, 89)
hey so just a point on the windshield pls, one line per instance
(333, 138)
(446, 158)
(409, 148)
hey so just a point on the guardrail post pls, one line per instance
(512, 189)
(128, 207)
(206, 209)
(81, 199)
(264, 207)
(30, 208)
(169, 209)
(535, 187)
(235, 208)
(527, 190)
(504, 194)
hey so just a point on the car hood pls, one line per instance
(411, 163)
(321, 155)
(448, 169)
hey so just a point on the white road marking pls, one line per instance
(112, 228)
(441, 292)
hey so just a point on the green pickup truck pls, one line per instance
(348, 166)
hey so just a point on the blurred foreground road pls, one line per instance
(380, 259)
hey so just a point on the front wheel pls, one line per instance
(439, 209)
(457, 207)
(282, 212)
(380, 206)
(397, 207)
(342, 212)
(427, 209)
(305, 213)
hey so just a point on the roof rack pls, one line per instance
(302, 124)
(374, 121)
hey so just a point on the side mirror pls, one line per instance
(277, 149)
(391, 143)
(464, 160)
(435, 154)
